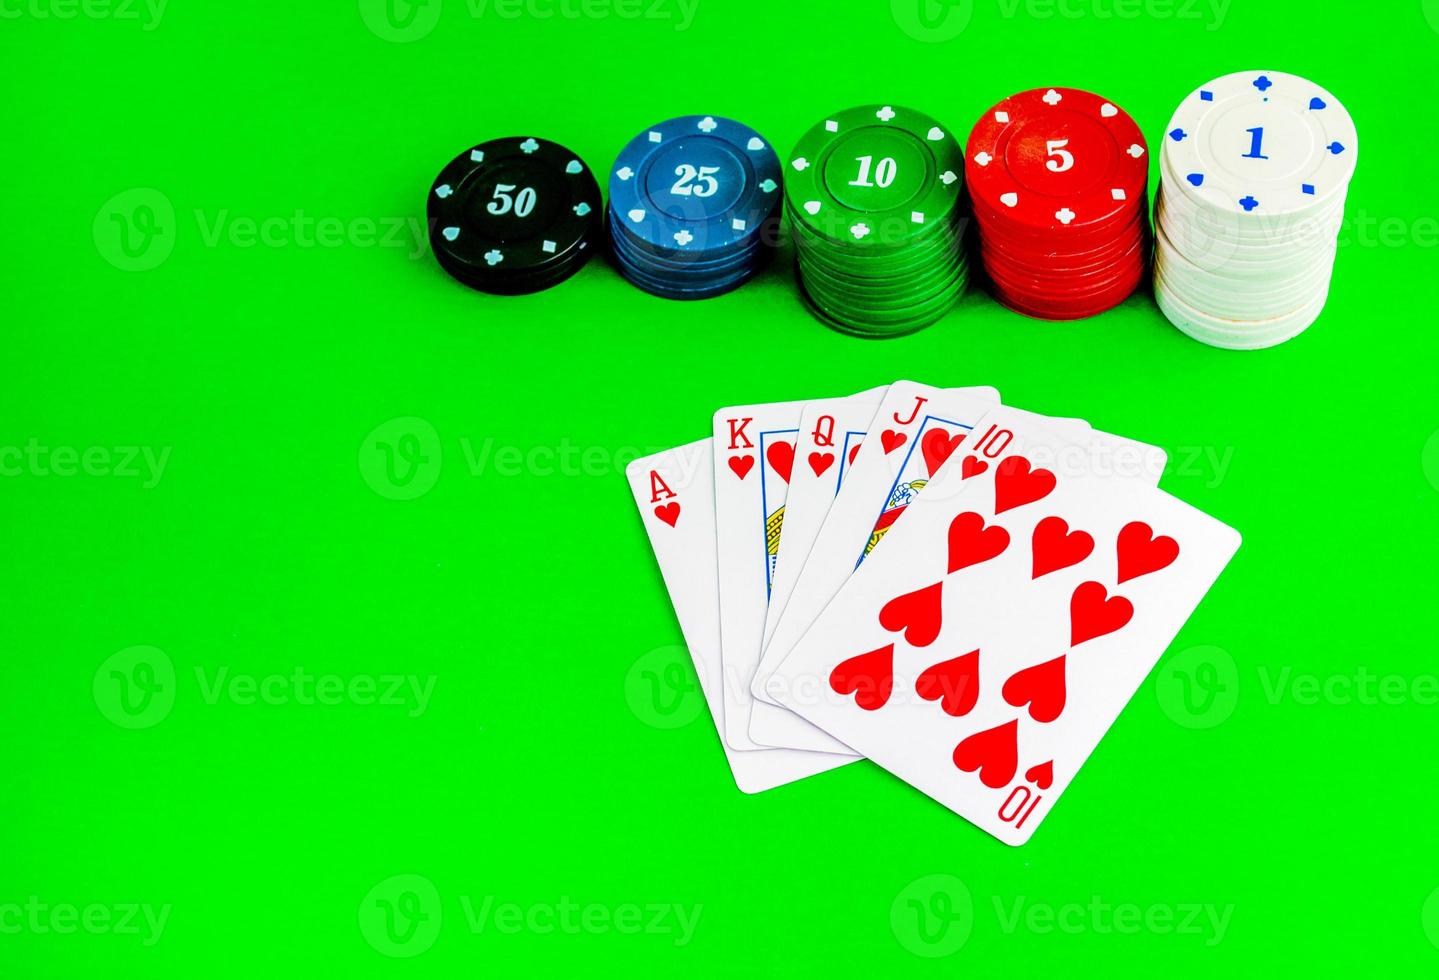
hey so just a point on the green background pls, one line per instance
(272, 372)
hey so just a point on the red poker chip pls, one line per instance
(1057, 160)
(1058, 183)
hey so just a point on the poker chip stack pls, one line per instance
(873, 199)
(1255, 168)
(694, 207)
(513, 215)
(1058, 179)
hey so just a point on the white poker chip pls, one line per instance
(1261, 142)
(1255, 170)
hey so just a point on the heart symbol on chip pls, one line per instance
(1041, 775)
(994, 753)
(891, 440)
(935, 133)
(637, 215)
(937, 446)
(1195, 179)
(1009, 199)
(819, 462)
(451, 234)
(953, 683)
(1108, 110)
(1041, 687)
(1056, 546)
(971, 543)
(1140, 552)
(916, 614)
(1317, 103)
(869, 677)
(1092, 615)
(755, 143)
(574, 167)
(781, 458)
(1015, 484)
(812, 207)
(741, 465)
(669, 513)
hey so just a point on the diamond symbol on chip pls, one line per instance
(707, 124)
(494, 256)
(443, 191)
(582, 209)
(1135, 150)
(830, 126)
(683, 237)
(800, 164)
(859, 230)
(548, 246)
(1009, 199)
(636, 215)
(1117, 193)
(478, 156)
(1001, 116)
(624, 173)
(655, 137)
(982, 158)
(885, 114)
(739, 224)
(1064, 215)
(767, 185)
(755, 143)
(917, 217)
(450, 233)
(529, 145)
(812, 207)
(947, 178)
(1052, 97)
(574, 167)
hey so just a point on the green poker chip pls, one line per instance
(873, 195)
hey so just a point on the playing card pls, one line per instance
(982, 653)
(830, 433)
(675, 494)
(912, 433)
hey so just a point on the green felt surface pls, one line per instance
(221, 316)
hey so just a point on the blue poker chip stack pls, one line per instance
(694, 207)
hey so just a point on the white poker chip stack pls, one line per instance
(1255, 168)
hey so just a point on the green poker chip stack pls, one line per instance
(873, 197)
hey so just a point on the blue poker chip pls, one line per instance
(695, 186)
(684, 280)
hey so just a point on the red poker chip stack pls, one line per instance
(1058, 179)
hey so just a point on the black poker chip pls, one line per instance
(514, 215)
